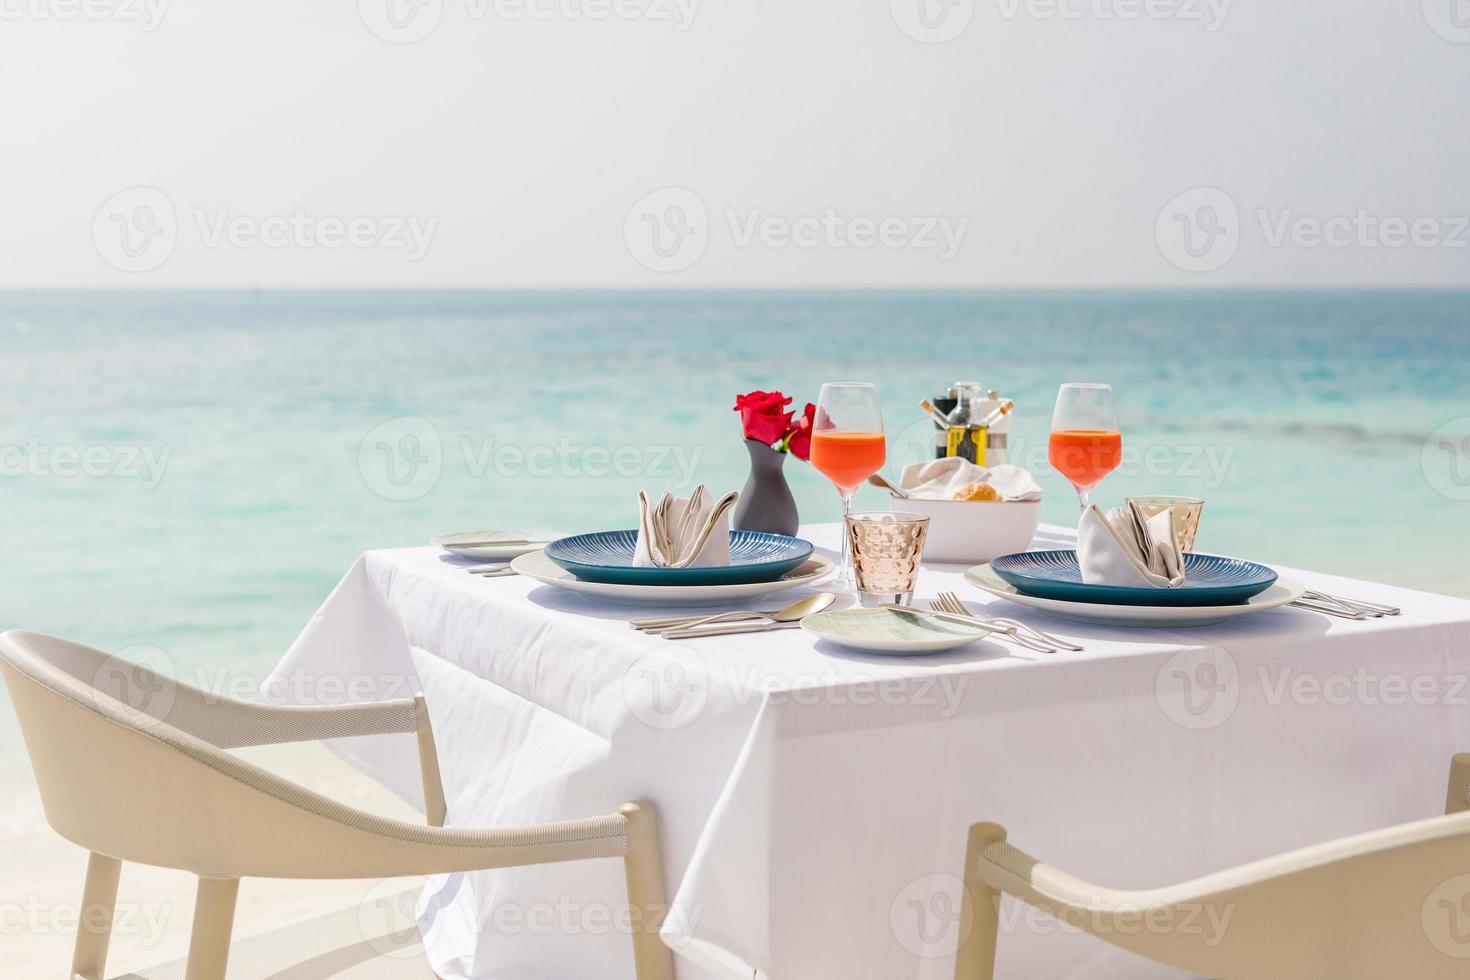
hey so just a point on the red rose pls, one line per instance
(800, 440)
(763, 415)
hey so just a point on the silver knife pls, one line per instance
(726, 630)
(670, 622)
(946, 617)
(1327, 610)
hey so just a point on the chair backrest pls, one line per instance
(1392, 903)
(119, 776)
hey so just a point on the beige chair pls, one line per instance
(133, 767)
(1393, 903)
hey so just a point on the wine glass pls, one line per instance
(1086, 443)
(847, 448)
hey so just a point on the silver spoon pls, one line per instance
(800, 609)
(879, 480)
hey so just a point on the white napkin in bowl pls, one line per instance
(1119, 547)
(941, 479)
(684, 532)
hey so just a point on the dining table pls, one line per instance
(813, 800)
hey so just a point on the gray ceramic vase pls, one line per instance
(765, 502)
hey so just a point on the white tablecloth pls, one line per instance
(814, 801)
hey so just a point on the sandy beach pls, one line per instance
(43, 876)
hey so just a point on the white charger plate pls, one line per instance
(1163, 617)
(452, 543)
(889, 631)
(536, 565)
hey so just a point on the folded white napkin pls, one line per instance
(684, 532)
(941, 479)
(1119, 547)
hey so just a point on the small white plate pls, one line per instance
(453, 543)
(1162, 617)
(537, 566)
(889, 631)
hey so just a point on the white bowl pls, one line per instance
(974, 531)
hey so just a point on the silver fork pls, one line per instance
(1010, 632)
(1011, 627)
(956, 604)
(1371, 608)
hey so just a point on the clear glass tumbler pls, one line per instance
(886, 549)
(1187, 512)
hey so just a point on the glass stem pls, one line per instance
(845, 576)
(1084, 496)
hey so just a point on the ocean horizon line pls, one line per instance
(1132, 290)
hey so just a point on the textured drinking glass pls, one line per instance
(1086, 444)
(1187, 511)
(886, 549)
(847, 446)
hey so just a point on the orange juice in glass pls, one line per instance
(848, 458)
(1086, 443)
(1085, 456)
(847, 448)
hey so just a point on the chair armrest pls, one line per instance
(325, 839)
(433, 850)
(230, 724)
(1011, 870)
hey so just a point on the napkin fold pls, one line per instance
(941, 479)
(1120, 547)
(684, 532)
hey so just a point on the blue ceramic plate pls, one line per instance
(607, 556)
(1209, 580)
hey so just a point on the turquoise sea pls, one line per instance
(193, 471)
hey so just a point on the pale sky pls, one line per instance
(688, 143)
